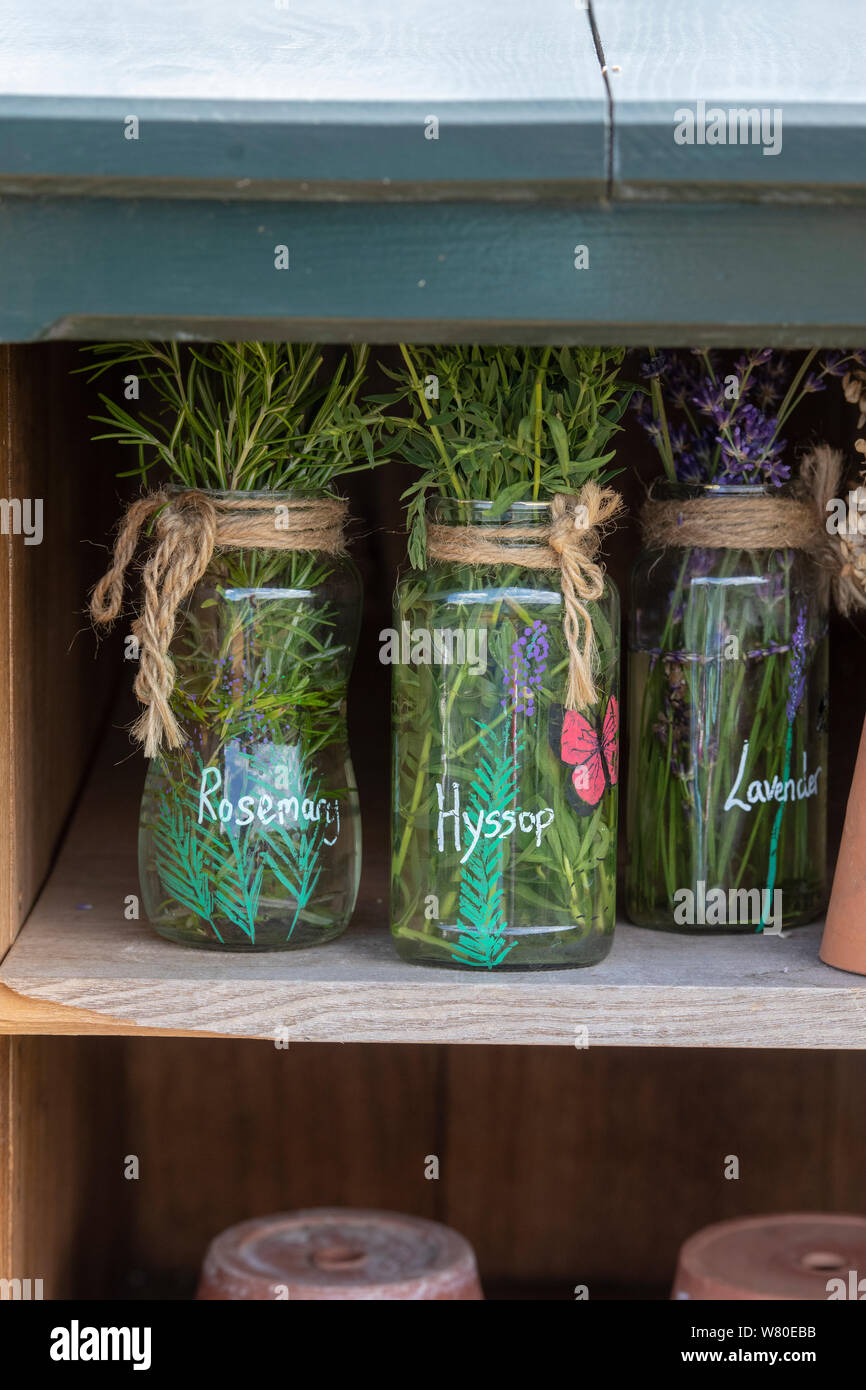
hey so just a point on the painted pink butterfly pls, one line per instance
(591, 749)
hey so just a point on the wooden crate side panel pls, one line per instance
(7, 850)
(55, 687)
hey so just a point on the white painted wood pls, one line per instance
(800, 64)
(778, 51)
(300, 50)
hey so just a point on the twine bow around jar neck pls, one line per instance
(568, 544)
(734, 520)
(189, 527)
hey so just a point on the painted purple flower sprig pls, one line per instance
(529, 653)
(716, 424)
(797, 673)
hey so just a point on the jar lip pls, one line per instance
(468, 505)
(259, 494)
(665, 488)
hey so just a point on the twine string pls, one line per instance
(569, 544)
(742, 523)
(189, 528)
(771, 523)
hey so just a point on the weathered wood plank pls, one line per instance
(361, 994)
(292, 142)
(8, 915)
(79, 952)
(300, 50)
(729, 274)
(789, 58)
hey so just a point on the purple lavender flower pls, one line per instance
(654, 366)
(701, 562)
(838, 363)
(697, 465)
(710, 400)
(719, 438)
(673, 725)
(679, 437)
(683, 379)
(797, 674)
(834, 363)
(813, 383)
(749, 452)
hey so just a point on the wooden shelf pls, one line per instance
(80, 967)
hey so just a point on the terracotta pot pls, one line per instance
(783, 1257)
(338, 1253)
(844, 940)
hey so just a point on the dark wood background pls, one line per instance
(561, 1166)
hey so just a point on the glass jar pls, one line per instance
(728, 734)
(250, 834)
(504, 804)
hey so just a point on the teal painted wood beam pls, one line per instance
(328, 142)
(725, 273)
(311, 90)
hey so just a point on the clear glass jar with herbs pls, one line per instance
(250, 833)
(505, 804)
(726, 811)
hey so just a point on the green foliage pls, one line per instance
(695, 707)
(212, 875)
(256, 671)
(250, 417)
(480, 910)
(253, 667)
(241, 416)
(510, 423)
(569, 878)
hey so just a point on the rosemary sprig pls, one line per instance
(241, 416)
(249, 417)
